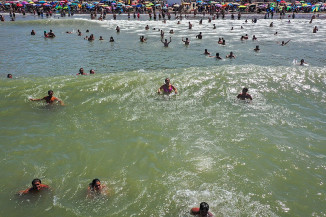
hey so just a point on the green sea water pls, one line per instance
(163, 155)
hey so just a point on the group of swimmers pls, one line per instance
(96, 188)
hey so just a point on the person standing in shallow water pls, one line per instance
(244, 95)
(167, 88)
(166, 42)
(50, 99)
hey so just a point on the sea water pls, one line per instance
(162, 155)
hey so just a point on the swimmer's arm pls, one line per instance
(287, 42)
(60, 101)
(159, 89)
(175, 89)
(44, 98)
(24, 192)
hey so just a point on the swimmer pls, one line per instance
(9, 76)
(190, 25)
(118, 29)
(201, 211)
(68, 32)
(246, 37)
(171, 31)
(91, 37)
(214, 26)
(254, 37)
(217, 56)
(51, 34)
(87, 30)
(162, 33)
(220, 41)
(146, 27)
(33, 32)
(178, 22)
(81, 72)
(244, 95)
(199, 36)
(257, 48)
(111, 39)
(101, 38)
(167, 88)
(315, 29)
(37, 186)
(206, 52)
(95, 187)
(231, 55)
(142, 38)
(275, 33)
(91, 72)
(232, 28)
(165, 42)
(302, 62)
(45, 34)
(284, 43)
(50, 99)
(271, 24)
(187, 42)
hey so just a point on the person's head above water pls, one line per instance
(9, 76)
(167, 80)
(203, 208)
(50, 92)
(244, 90)
(95, 184)
(36, 184)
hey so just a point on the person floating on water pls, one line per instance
(284, 43)
(303, 63)
(91, 72)
(167, 88)
(231, 55)
(81, 72)
(165, 42)
(142, 38)
(206, 52)
(96, 188)
(244, 95)
(37, 186)
(202, 210)
(50, 99)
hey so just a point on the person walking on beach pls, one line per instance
(50, 99)
(202, 210)
(165, 42)
(167, 88)
(37, 186)
(244, 95)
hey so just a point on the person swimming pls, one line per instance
(257, 48)
(81, 72)
(244, 95)
(50, 99)
(202, 210)
(231, 55)
(96, 188)
(167, 88)
(37, 186)
(206, 52)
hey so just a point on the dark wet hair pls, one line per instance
(204, 206)
(93, 183)
(9, 75)
(36, 180)
(245, 90)
(167, 79)
(50, 91)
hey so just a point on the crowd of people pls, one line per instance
(96, 188)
